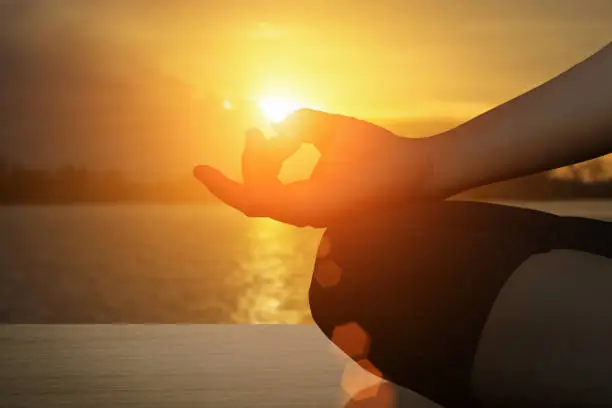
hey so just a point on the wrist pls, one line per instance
(419, 160)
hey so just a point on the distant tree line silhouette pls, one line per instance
(587, 180)
(71, 184)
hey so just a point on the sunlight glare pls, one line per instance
(227, 105)
(277, 109)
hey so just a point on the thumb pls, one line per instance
(227, 190)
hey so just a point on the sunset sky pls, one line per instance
(122, 83)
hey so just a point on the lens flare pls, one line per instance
(277, 109)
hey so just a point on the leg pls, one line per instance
(548, 339)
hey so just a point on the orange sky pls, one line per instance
(372, 58)
(423, 64)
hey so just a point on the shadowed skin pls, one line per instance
(360, 164)
(420, 280)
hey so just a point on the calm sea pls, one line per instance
(162, 264)
(151, 263)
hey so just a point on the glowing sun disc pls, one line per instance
(276, 109)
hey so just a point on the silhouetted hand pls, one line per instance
(361, 166)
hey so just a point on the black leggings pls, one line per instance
(420, 282)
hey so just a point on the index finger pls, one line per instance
(310, 126)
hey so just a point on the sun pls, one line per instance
(277, 109)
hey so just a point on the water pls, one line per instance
(163, 263)
(178, 366)
(151, 263)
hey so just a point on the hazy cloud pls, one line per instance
(88, 81)
(72, 95)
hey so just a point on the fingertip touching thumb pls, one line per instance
(309, 125)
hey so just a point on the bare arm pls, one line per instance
(564, 121)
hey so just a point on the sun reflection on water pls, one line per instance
(271, 275)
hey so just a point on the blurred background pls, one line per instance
(105, 107)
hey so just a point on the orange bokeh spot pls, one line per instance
(327, 273)
(369, 367)
(367, 393)
(352, 339)
(324, 247)
(381, 395)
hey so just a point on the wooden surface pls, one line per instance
(177, 366)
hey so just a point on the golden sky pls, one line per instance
(421, 62)
(372, 58)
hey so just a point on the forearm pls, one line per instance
(564, 121)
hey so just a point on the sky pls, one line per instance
(139, 85)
